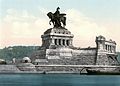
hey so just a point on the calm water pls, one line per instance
(58, 80)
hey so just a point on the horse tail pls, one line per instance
(63, 20)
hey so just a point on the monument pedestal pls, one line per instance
(56, 44)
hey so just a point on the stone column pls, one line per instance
(52, 42)
(114, 49)
(70, 42)
(65, 42)
(57, 41)
(61, 41)
(108, 48)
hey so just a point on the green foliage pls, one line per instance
(17, 52)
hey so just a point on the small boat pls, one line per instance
(101, 72)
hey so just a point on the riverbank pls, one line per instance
(53, 69)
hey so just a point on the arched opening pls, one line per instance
(55, 41)
(59, 41)
(26, 61)
(67, 42)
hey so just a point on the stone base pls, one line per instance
(58, 53)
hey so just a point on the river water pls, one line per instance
(58, 80)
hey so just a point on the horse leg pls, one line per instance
(57, 23)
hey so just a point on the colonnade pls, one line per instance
(110, 48)
(63, 42)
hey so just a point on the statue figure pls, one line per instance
(57, 18)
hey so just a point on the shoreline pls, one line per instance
(53, 69)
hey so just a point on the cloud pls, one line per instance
(14, 15)
(43, 10)
(84, 28)
(22, 27)
(23, 24)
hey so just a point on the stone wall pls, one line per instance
(85, 56)
(79, 57)
(61, 69)
(8, 68)
(26, 67)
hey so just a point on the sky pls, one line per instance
(22, 22)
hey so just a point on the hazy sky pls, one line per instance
(22, 22)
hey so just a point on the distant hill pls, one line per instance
(8, 53)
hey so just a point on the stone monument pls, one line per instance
(57, 47)
(56, 41)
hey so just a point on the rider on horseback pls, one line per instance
(57, 17)
(57, 13)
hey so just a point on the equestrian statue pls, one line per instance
(57, 19)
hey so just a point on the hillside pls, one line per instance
(8, 53)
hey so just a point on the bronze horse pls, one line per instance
(57, 21)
